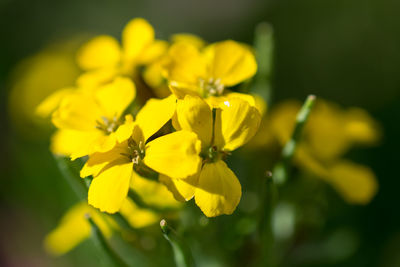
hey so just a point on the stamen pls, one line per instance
(106, 125)
(212, 87)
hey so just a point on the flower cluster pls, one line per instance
(114, 117)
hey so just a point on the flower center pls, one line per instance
(136, 151)
(213, 154)
(212, 87)
(106, 125)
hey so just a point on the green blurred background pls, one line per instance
(347, 51)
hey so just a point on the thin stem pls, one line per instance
(102, 244)
(182, 255)
(71, 175)
(280, 172)
(264, 46)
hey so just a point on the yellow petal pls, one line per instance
(361, 127)
(195, 115)
(109, 189)
(98, 161)
(235, 124)
(50, 103)
(154, 114)
(180, 90)
(154, 51)
(186, 65)
(182, 189)
(73, 143)
(153, 193)
(356, 183)
(136, 36)
(115, 97)
(138, 217)
(91, 80)
(101, 51)
(231, 62)
(73, 229)
(188, 39)
(103, 143)
(175, 155)
(152, 75)
(253, 100)
(78, 111)
(218, 191)
(125, 130)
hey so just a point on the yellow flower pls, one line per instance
(36, 77)
(104, 58)
(174, 154)
(89, 121)
(74, 227)
(207, 72)
(215, 187)
(152, 74)
(328, 134)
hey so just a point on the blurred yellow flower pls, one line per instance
(89, 121)
(153, 73)
(174, 154)
(74, 227)
(215, 187)
(329, 133)
(103, 57)
(35, 78)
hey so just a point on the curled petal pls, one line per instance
(195, 115)
(235, 124)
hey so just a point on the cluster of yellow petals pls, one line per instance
(183, 137)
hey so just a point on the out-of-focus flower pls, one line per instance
(215, 187)
(329, 133)
(74, 227)
(103, 57)
(153, 73)
(38, 76)
(208, 72)
(174, 154)
(89, 121)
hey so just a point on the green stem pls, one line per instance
(182, 255)
(280, 172)
(102, 244)
(264, 46)
(71, 175)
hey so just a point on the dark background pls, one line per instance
(346, 51)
